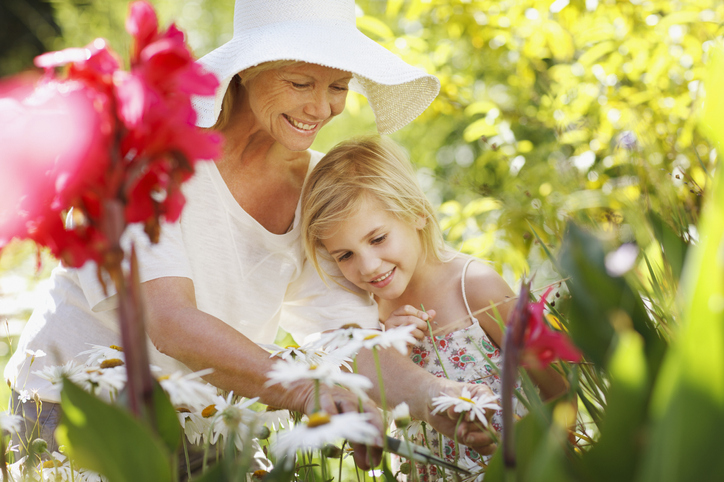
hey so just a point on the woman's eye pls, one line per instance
(299, 86)
(344, 257)
(379, 239)
(340, 88)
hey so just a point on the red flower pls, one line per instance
(543, 345)
(98, 136)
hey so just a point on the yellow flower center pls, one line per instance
(112, 362)
(209, 411)
(259, 474)
(49, 464)
(116, 347)
(163, 377)
(318, 418)
(373, 335)
(466, 399)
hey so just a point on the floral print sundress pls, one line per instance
(467, 355)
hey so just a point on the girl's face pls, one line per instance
(292, 103)
(375, 250)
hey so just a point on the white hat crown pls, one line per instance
(251, 14)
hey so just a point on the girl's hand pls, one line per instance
(409, 315)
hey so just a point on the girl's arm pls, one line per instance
(485, 287)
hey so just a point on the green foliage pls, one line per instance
(108, 440)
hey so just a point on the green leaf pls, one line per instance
(618, 450)
(108, 440)
(688, 403)
(600, 301)
(167, 422)
(673, 246)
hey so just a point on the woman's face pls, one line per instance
(292, 103)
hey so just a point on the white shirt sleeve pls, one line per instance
(167, 258)
(311, 306)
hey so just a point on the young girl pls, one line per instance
(362, 206)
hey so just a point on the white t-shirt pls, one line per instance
(251, 279)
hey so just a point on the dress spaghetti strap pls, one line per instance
(465, 298)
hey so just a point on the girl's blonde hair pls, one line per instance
(238, 82)
(354, 169)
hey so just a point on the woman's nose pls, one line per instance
(320, 105)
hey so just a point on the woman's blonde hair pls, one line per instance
(354, 169)
(239, 82)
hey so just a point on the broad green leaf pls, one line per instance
(688, 403)
(674, 248)
(108, 440)
(167, 421)
(712, 119)
(625, 415)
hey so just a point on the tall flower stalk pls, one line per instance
(126, 141)
(528, 342)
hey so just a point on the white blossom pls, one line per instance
(476, 406)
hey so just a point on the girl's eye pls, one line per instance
(344, 257)
(379, 239)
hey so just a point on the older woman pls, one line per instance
(232, 270)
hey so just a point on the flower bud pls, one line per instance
(332, 451)
(264, 433)
(39, 446)
(405, 468)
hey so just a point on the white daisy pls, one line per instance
(476, 406)
(288, 372)
(57, 469)
(188, 390)
(401, 415)
(100, 352)
(54, 374)
(35, 353)
(312, 354)
(194, 425)
(346, 340)
(322, 429)
(398, 338)
(229, 417)
(276, 419)
(10, 423)
(24, 396)
(104, 382)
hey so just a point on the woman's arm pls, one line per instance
(178, 329)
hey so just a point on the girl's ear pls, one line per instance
(421, 222)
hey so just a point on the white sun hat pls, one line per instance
(320, 32)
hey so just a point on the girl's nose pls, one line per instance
(368, 265)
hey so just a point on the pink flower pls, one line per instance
(543, 345)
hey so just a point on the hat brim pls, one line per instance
(396, 91)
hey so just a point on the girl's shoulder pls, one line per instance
(482, 283)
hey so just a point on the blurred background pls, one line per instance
(549, 111)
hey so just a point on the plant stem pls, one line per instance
(434, 345)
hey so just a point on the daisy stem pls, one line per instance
(457, 445)
(383, 398)
(441, 453)
(434, 344)
(317, 400)
(186, 456)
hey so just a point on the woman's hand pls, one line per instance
(335, 400)
(473, 434)
(409, 315)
